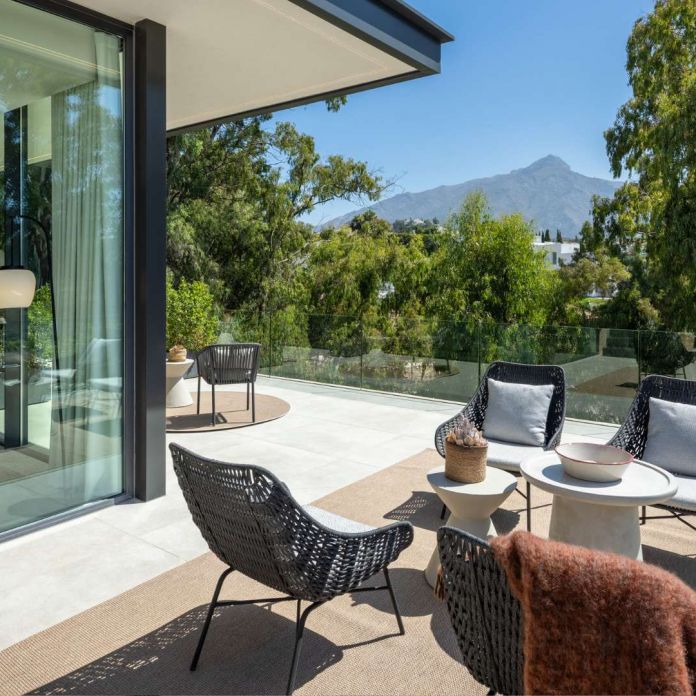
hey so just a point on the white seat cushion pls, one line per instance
(686, 493)
(336, 522)
(671, 441)
(508, 456)
(517, 412)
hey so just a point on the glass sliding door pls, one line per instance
(61, 216)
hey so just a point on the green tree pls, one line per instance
(487, 269)
(192, 321)
(559, 237)
(590, 272)
(429, 230)
(365, 272)
(237, 193)
(652, 218)
(600, 272)
(40, 329)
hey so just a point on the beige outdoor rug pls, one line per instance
(231, 412)
(141, 642)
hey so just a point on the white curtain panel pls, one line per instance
(87, 223)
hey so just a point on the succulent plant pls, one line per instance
(465, 434)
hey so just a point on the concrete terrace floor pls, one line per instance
(331, 437)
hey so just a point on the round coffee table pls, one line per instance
(177, 393)
(598, 515)
(470, 505)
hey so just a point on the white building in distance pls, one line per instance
(556, 252)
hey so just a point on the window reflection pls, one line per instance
(61, 215)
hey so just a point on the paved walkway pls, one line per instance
(331, 437)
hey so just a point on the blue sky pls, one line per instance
(523, 79)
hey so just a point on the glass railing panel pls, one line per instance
(431, 359)
(668, 354)
(601, 365)
(445, 360)
(689, 342)
(318, 348)
(398, 356)
(249, 328)
(602, 386)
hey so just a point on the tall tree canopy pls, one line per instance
(486, 268)
(651, 221)
(237, 194)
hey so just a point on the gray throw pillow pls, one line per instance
(517, 412)
(671, 441)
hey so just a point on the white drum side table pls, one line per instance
(596, 515)
(177, 393)
(470, 505)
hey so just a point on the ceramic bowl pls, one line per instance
(590, 462)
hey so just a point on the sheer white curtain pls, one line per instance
(87, 229)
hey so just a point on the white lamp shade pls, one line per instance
(17, 286)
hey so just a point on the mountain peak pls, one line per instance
(548, 192)
(549, 162)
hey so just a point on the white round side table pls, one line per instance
(598, 515)
(177, 393)
(470, 505)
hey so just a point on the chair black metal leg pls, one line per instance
(247, 408)
(198, 403)
(680, 517)
(443, 511)
(298, 644)
(208, 617)
(213, 416)
(253, 403)
(642, 514)
(529, 507)
(394, 604)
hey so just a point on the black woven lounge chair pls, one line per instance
(253, 524)
(518, 373)
(229, 363)
(633, 436)
(486, 617)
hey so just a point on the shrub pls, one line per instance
(192, 318)
(40, 329)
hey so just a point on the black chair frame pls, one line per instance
(519, 373)
(300, 620)
(486, 617)
(229, 363)
(633, 433)
(254, 525)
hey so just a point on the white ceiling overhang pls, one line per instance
(234, 57)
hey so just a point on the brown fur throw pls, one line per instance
(598, 623)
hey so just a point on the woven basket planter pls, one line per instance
(465, 464)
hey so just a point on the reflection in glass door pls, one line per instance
(61, 216)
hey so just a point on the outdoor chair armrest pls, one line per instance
(348, 559)
(555, 439)
(629, 439)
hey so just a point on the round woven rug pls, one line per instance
(231, 412)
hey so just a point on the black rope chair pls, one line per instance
(253, 524)
(633, 433)
(518, 373)
(486, 617)
(229, 363)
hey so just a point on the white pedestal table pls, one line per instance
(470, 505)
(177, 393)
(596, 515)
